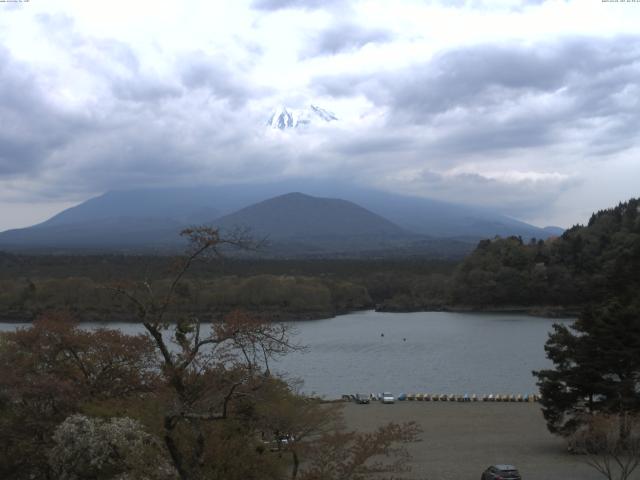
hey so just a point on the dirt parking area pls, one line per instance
(460, 440)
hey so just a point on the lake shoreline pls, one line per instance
(544, 311)
(269, 316)
(547, 311)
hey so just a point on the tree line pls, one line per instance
(278, 289)
(586, 264)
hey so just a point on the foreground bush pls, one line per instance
(53, 370)
(117, 448)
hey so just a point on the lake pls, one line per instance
(428, 352)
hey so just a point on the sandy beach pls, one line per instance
(460, 440)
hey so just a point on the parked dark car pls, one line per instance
(362, 398)
(501, 472)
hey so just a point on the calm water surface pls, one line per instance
(430, 352)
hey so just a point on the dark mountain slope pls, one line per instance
(183, 205)
(202, 204)
(300, 216)
(151, 218)
(119, 234)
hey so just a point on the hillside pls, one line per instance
(586, 264)
(300, 216)
(118, 234)
(296, 225)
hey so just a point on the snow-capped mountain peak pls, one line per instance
(281, 118)
(284, 118)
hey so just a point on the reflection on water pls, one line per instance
(429, 352)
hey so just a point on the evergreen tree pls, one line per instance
(596, 367)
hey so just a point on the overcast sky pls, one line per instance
(531, 107)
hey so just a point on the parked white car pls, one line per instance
(388, 398)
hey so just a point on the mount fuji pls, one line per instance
(284, 118)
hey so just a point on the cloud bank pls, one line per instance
(521, 124)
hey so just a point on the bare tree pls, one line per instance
(205, 371)
(611, 444)
(218, 380)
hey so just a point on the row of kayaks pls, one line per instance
(428, 397)
(437, 397)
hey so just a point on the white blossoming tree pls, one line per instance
(113, 449)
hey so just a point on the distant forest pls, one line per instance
(586, 264)
(559, 275)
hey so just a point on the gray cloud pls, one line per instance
(274, 5)
(484, 4)
(32, 126)
(87, 51)
(113, 61)
(99, 54)
(139, 128)
(521, 199)
(505, 97)
(343, 37)
(143, 89)
(369, 145)
(491, 74)
(200, 71)
(492, 135)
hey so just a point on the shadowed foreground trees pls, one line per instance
(54, 369)
(203, 394)
(592, 395)
(596, 367)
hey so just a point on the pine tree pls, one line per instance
(596, 367)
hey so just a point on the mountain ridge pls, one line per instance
(284, 118)
(151, 218)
